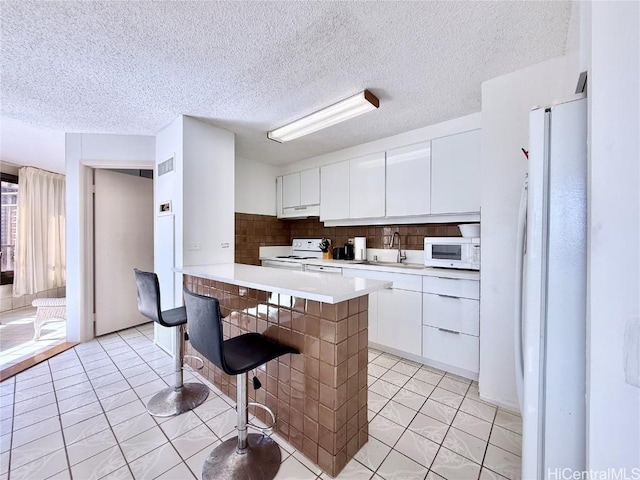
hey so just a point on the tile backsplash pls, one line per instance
(378, 236)
(254, 231)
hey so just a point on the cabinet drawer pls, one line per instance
(451, 286)
(455, 349)
(453, 313)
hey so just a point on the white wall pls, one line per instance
(506, 103)
(613, 422)
(209, 193)
(202, 192)
(29, 145)
(83, 151)
(168, 187)
(458, 125)
(255, 187)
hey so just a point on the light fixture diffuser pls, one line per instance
(362, 102)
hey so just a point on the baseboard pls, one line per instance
(425, 361)
(511, 407)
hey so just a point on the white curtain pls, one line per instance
(40, 262)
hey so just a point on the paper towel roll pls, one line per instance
(360, 248)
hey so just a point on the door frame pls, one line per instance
(87, 314)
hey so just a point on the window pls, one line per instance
(8, 226)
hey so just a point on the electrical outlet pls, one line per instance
(194, 246)
(224, 245)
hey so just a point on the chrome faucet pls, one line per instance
(401, 256)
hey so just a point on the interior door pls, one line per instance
(123, 232)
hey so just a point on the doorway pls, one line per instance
(123, 240)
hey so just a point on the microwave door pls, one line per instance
(446, 252)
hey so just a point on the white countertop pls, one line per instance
(322, 287)
(409, 269)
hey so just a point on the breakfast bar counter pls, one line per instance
(317, 286)
(320, 396)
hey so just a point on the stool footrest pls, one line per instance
(193, 357)
(268, 430)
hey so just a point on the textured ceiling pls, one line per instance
(133, 67)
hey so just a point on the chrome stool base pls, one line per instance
(174, 401)
(260, 461)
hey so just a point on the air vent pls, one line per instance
(165, 167)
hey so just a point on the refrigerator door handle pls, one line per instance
(518, 327)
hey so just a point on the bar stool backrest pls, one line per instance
(149, 296)
(205, 327)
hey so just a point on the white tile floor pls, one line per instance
(16, 336)
(82, 415)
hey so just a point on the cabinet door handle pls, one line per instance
(447, 296)
(449, 331)
(299, 208)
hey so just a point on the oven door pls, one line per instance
(282, 264)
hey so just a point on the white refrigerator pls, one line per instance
(550, 328)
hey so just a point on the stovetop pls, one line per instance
(295, 257)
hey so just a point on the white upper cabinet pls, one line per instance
(334, 191)
(367, 186)
(421, 182)
(310, 187)
(409, 180)
(298, 194)
(455, 173)
(291, 190)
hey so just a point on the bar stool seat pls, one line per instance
(181, 397)
(248, 351)
(249, 456)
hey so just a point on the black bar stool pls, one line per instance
(249, 457)
(182, 397)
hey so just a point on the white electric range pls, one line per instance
(301, 249)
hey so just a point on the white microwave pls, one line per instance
(452, 252)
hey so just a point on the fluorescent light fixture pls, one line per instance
(362, 102)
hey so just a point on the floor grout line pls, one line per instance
(64, 442)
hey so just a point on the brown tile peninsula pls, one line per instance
(320, 396)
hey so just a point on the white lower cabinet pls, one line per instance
(399, 325)
(451, 323)
(455, 287)
(394, 313)
(431, 319)
(451, 348)
(452, 313)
